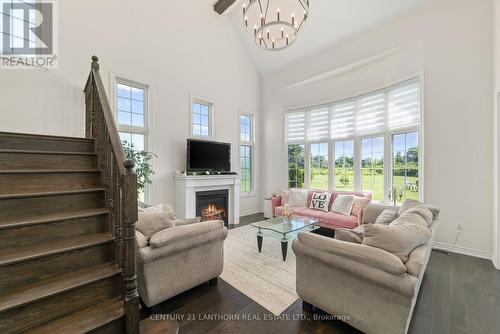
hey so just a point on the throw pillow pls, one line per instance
(298, 198)
(151, 222)
(354, 235)
(343, 204)
(166, 208)
(387, 216)
(320, 201)
(360, 203)
(423, 212)
(399, 240)
(410, 218)
(411, 203)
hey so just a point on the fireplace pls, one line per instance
(212, 205)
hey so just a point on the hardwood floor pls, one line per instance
(459, 294)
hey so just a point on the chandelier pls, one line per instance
(274, 24)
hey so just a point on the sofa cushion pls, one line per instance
(181, 233)
(399, 240)
(416, 260)
(354, 235)
(343, 204)
(337, 220)
(298, 198)
(360, 203)
(151, 222)
(320, 201)
(140, 239)
(387, 216)
(187, 221)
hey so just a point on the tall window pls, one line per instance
(201, 118)
(373, 140)
(246, 153)
(131, 115)
(344, 165)
(372, 166)
(296, 166)
(319, 166)
(130, 112)
(405, 174)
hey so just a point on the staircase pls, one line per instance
(67, 244)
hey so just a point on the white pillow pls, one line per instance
(320, 201)
(343, 204)
(298, 198)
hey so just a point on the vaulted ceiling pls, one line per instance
(330, 21)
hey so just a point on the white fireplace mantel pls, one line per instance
(186, 188)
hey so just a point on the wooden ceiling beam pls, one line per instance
(221, 5)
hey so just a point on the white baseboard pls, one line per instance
(463, 250)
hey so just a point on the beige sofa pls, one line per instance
(178, 258)
(370, 288)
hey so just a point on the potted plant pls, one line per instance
(143, 165)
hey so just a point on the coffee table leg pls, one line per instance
(284, 248)
(259, 242)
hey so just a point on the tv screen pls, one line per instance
(208, 156)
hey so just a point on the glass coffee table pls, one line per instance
(285, 228)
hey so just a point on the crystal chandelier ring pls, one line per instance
(275, 24)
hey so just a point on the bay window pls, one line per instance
(366, 143)
(344, 165)
(372, 166)
(318, 166)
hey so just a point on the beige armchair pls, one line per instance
(370, 288)
(178, 258)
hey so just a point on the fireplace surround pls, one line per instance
(187, 187)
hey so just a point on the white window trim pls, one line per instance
(147, 129)
(250, 143)
(211, 112)
(357, 143)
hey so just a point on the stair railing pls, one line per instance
(120, 182)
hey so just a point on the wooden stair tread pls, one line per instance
(53, 137)
(48, 171)
(46, 152)
(84, 320)
(32, 252)
(54, 286)
(50, 218)
(52, 193)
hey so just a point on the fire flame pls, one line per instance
(212, 211)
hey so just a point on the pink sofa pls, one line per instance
(328, 219)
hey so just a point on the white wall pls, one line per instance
(177, 48)
(450, 42)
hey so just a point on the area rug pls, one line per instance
(264, 277)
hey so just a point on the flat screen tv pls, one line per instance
(208, 156)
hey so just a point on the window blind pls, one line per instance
(318, 127)
(404, 105)
(296, 127)
(391, 108)
(343, 120)
(370, 113)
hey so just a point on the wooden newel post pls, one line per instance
(129, 200)
(90, 96)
